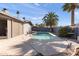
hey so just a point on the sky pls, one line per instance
(34, 12)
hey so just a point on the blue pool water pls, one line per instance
(42, 36)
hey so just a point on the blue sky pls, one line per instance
(36, 11)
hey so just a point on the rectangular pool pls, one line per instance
(43, 36)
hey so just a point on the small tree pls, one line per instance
(4, 9)
(24, 18)
(17, 13)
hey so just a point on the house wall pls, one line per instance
(8, 28)
(14, 28)
(27, 28)
(17, 28)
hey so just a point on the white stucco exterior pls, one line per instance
(27, 28)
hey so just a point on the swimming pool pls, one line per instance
(43, 36)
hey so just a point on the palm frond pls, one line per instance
(50, 19)
(70, 6)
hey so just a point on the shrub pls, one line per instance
(64, 31)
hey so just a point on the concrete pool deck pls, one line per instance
(22, 46)
(16, 46)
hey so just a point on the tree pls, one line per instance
(4, 9)
(37, 25)
(70, 7)
(50, 19)
(17, 13)
(24, 18)
(41, 25)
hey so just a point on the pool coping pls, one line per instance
(51, 34)
(47, 32)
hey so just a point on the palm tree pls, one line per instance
(24, 18)
(17, 13)
(37, 25)
(50, 19)
(41, 25)
(4, 9)
(70, 7)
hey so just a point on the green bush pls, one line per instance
(64, 31)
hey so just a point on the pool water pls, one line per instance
(43, 36)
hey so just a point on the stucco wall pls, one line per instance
(16, 28)
(26, 28)
(20, 28)
(8, 28)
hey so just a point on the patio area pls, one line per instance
(24, 46)
(7, 45)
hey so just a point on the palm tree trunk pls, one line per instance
(72, 18)
(17, 16)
